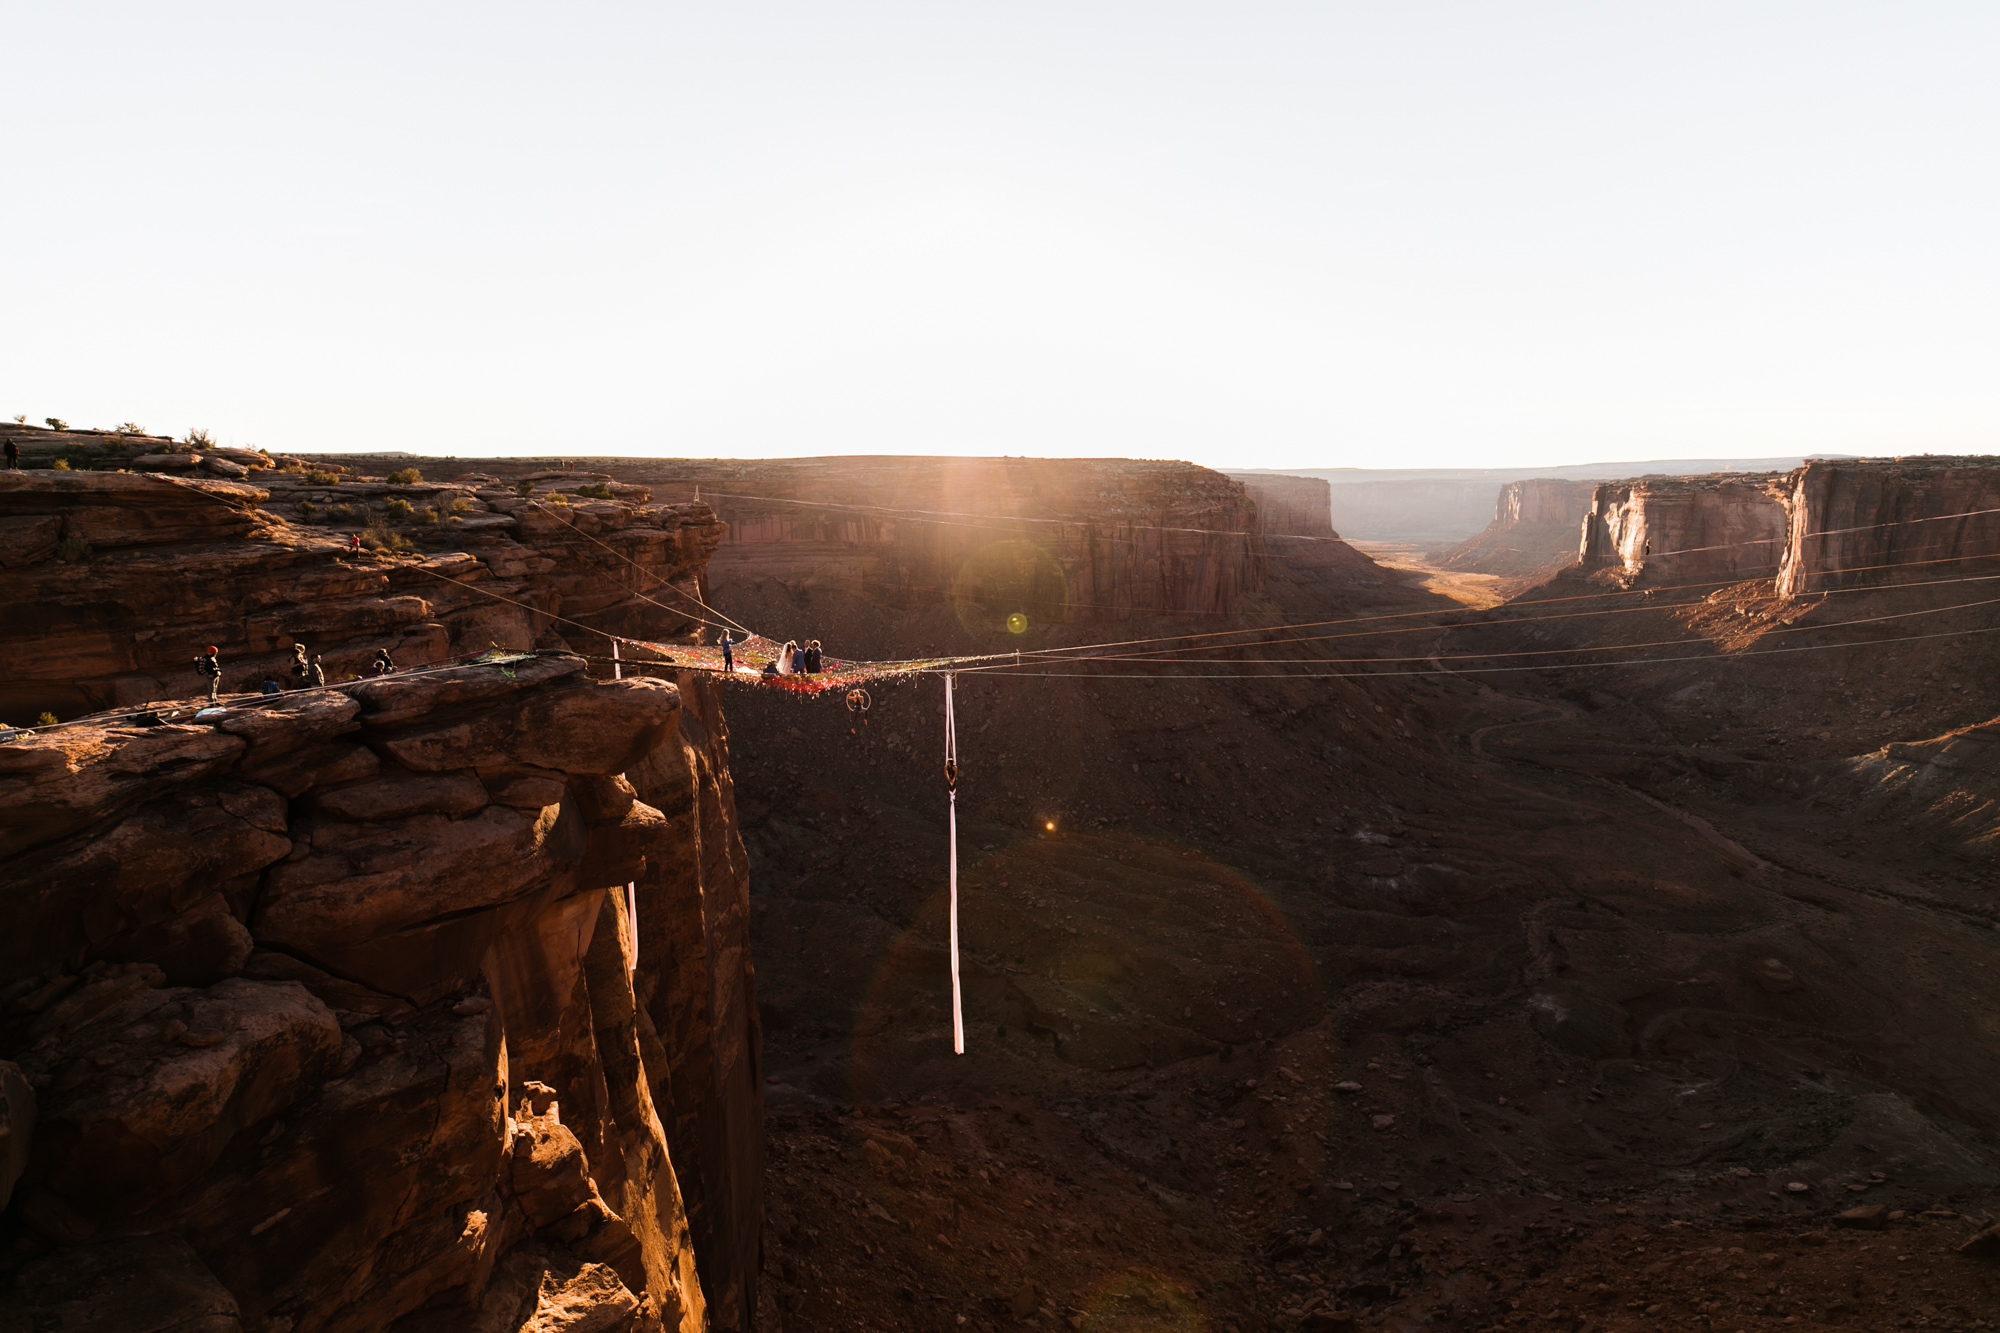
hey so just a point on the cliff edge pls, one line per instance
(331, 1010)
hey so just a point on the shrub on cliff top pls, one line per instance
(381, 539)
(46, 720)
(398, 509)
(55, 423)
(321, 477)
(200, 439)
(408, 476)
(524, 488)
(596, 491)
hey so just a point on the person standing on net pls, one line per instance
(728, 657)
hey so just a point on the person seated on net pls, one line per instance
(785, 655)
(813, 658)
(770, 671)
(270, 686)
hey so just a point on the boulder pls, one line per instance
(68, 901)
(394, 699)
(199, 947)
(365, 881)
(141, 1284)
(603, 727)
(142, 1100)
(293, 774)
(524, 788)
(396, 794)
(290, 722)
(57, 783)
(545, 1289)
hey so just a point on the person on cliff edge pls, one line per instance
(13, 455)
(211, 666)
(728, 657)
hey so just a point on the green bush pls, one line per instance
(73, 550)
(381, 539)
(557, 498)
(60, 465)
(398, 509)
(524, 488)
(320, 477)
(341, 513)
(307, 507)
(429, 514)
(409, 476)
(46, 720)
(128, 428)
(55, 423)
(199, 439)
(597, 491)
(461, 505)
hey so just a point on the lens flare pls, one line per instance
(1017, 623)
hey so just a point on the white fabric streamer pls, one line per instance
(632, 921)
(951, 783)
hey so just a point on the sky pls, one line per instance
(1246, 234)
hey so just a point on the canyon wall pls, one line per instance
(1294, 506)
(1851, 521)
(1533, 532)
(1129, 538)
(326, 1010)
(1657, 530)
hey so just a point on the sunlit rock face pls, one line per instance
(1660, 529)
(327, 1012)
(1116, 537)
(116, 581)
(1852, 520)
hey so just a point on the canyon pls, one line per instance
(1374, 960)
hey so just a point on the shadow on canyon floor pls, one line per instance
(1296, 1003)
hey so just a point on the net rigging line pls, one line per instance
(1161, 654)
(725, 622)
(1468, 671)
(1050, 654)
(1151, 660)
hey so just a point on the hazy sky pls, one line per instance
(1255, 234)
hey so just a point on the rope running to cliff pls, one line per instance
(723, 621)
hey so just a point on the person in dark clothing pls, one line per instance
(13, 454)
(270, 686)
(382, 665)
(770, 671)
(728, 657)
(211, 666)
(301, 670)
(813, 658)
(798, 661)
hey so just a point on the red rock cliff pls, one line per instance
(1852, 520)
(1686, 529)
(326, 1012)
(1533, 532)
(1130, 538)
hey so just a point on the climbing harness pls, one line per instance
(951, 787)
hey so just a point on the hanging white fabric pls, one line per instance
(951, 785)
(632, 921)
(631, 886)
